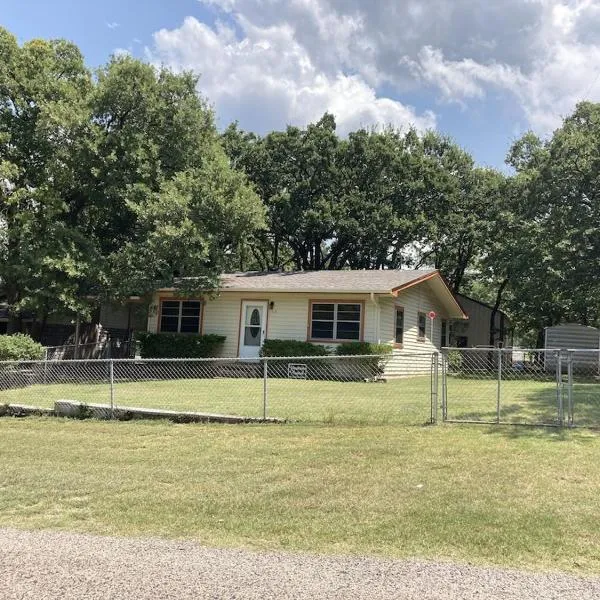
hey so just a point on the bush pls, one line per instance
(370, 367)
(179, 345)
(362, 348)
(292, 348)
(20, 347)
(315, 368)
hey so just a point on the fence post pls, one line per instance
(265, 375)
(435, 358)
(111, 378)
(45, 366)
(444, 385)
(570, 388)
(559, 396)
(498, 391)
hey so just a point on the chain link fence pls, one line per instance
(521, 386)
(345, 390)
(512, 386)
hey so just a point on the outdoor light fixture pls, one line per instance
(271, 305)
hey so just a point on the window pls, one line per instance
(422, 324)
(333, 321)
(180, 316)
(444, 332)
(399, 331)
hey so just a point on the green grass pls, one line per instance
(399, 401)
(512, 496)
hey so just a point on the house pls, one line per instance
(323, 307)
(475, 333)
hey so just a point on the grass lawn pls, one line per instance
(399, 401)
(512, 496)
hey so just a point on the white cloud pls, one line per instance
(265, 78)
(539, 55)
(113, 25)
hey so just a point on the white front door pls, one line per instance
(253, 328)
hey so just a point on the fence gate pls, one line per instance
(524, 386)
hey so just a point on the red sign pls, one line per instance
(431, 314)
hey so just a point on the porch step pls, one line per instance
(246, 370)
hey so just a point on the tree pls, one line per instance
(44, 87)
(109, 186)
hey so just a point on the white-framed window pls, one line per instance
(180, 316)
(399, 326)
(335, 321)
(422, 326)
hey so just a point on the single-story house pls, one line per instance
(322, 307)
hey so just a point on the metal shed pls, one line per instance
(573, 336)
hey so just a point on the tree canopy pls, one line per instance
(117, 181)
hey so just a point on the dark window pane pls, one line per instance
(399, 326)
(190, 309)
(190, 324)
(322, 330)
(169, 324)
(348, 312)
(422, 325)
(348, 331)
(170, 308)
(3, 327)
(322, 312)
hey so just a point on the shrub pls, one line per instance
(315, 368)
(179, 345)
(20, 347)
(370, 367)
(292, 348)
(362, 348)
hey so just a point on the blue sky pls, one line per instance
(482, 71)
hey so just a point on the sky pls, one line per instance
(481, 71)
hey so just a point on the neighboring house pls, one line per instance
(323, 307)
(475, 333)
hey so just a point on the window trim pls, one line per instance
(421, 338)
(162, 299)
(361, 323)
(398, 309)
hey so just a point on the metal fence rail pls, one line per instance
(521, 386)
(330, 389)
(511, 386)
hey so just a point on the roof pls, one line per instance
(358, 281)
(489, 306)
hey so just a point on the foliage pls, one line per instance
(179, 345)
(292, 348)
(109, 186)
(20, 347)
(362, 348)
(370, 367)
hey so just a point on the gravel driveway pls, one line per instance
(48, 566)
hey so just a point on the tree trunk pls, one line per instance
(495, 310)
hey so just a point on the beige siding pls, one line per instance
(419, 298)
(288, 319)
(477, 328)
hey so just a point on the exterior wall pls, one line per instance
(416, 299)
(477, 328)
(574, 336)
(288, 319)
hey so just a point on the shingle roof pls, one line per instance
(379, 281)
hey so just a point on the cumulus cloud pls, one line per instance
(265, 78)
(541, 55)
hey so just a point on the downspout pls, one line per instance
(377, 317)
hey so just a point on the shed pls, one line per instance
(574, 336)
